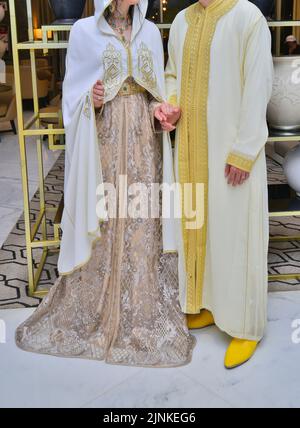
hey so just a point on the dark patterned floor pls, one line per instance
(13, 262)
(284, 257)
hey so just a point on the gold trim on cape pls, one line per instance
(145, 66)
(193, 134)
(113, 68)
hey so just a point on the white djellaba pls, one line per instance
(220, 72)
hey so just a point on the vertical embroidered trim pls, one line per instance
(146, 67)
(112, 62)
(173, 100)
(87, 107)
(129, 61)
(193, 134)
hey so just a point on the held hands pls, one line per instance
(235, 176)
(168, 116)
(98, 94)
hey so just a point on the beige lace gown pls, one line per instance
(122, 306)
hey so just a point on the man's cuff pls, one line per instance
(239, 161)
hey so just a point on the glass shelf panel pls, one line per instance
(283, 201)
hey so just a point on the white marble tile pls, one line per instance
(10, 156)
(8, 219)
(9, 151)
(271, 378)
(11, 192)
(12, 170)
(159, 388)
(32, 380)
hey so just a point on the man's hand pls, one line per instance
(168, 116)
(235, 176)
(98, 94)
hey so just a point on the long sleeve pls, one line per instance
(155, 102)
(257, 90)
(70, 98)
(82, 70)
(171, 69)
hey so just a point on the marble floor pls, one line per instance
(271, 379)
(11, 200)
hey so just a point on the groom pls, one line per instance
(219, 75)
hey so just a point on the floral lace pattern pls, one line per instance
(122, 306)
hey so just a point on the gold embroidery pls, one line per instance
(173, 100)
(240, 161)
(193, 133)
(129, 61)
(87, 107)
(130, 87)
(112, 60)
(146, 68)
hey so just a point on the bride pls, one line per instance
(117, 295)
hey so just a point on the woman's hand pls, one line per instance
(98, 94)
(168, 116)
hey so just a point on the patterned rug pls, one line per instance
(13, 261)
(284, 257)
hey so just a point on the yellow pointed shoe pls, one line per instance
(239, 352)
(202, 320)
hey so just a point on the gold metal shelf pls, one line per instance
(33, 128)
(41, 45)
(272, 24)
(283, 139)
(283, 238)
(284, 214)
(56, 44)
(31, 44)
(283, 136)
(283, 24)
(284, 277)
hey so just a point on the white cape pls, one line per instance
(95, 52)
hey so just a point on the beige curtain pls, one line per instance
(297, 17)
(41, 13)
(89, 8)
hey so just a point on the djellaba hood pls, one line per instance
(140, 11)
